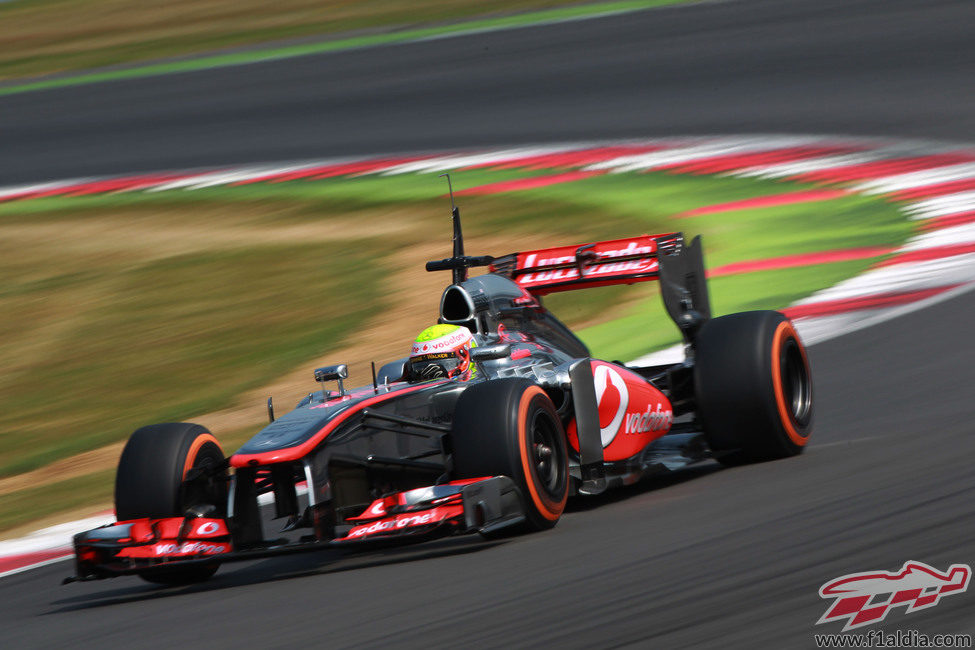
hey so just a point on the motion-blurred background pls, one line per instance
(157, 298)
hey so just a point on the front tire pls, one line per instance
(509, 427)
(753, 387)
(150, 482)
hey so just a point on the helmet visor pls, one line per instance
(436, 365)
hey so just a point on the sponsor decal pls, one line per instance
(604, 265)
(866, 598)
(650, 420)
(435, 356)
(403, 521)
(207, 528)
(190, 548)
(440, 418)
(605, 376)
(444, 343)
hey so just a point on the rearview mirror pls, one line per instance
(332, 373)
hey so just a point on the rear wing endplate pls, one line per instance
(684, 288)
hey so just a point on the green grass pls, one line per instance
(169, 337)
(77, 36)
(647, 327)
(125, 309)
(25, 506)
(106, 329)
(847, 222)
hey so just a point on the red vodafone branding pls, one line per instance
(612, 403)
(191, 548)
(171, 549)
(631, 411)
(393, 524)
(210, 528)
(653, 419)
(602, 265)
(406, 520)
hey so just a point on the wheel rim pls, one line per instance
(548, 466)
(796, 384)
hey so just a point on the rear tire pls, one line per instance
(753, 387)
(509, 427)
(150, 483)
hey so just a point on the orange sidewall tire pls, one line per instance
(546, 507)
(194, 449)
(782, 333)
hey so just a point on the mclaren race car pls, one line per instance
(500, 447)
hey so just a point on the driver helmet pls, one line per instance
(442, 351)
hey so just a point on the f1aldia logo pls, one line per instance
(867, 598)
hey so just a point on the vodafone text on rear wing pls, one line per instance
(618, 261)
(679, 267)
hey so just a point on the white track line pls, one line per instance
(942, 206)
(686, 155)
(916, 180)
(441, 163)
(884, 315)
(822, 163)
(963, 234)
(917, 276)
(216, 178)
(17, 190)
(37, 565)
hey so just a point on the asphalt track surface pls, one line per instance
(883, 67)
(711, 557)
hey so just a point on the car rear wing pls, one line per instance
(679, 267)
(618, 261)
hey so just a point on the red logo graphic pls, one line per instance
(378, 509)
(866, 598)
(208, 528)
(612, 398)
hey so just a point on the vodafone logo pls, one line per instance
(208, 528)
(604, 266)
(377, 509)
(393, 524)
(612, 398)
(190, 548)
(649, 420)
(448, 342)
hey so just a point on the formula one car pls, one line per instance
(499, 448)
